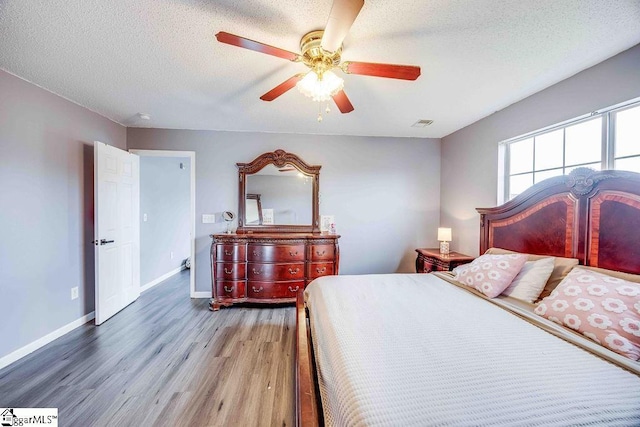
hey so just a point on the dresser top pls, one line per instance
(273, 236)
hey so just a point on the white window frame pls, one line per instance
(608, 143)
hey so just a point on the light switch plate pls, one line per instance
(208, 218)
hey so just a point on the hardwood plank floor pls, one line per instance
(165, 360)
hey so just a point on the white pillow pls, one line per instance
(529, 283)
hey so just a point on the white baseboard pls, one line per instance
(165, 276)
(201, 294)
(30, 348)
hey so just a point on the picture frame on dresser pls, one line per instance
(269, 263)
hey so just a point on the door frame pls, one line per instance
(192, 202)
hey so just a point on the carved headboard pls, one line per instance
(589, 215)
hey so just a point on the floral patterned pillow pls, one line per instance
(604, 309)
(490, 274)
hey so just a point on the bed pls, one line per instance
(423, 349)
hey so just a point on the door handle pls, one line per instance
(102, 242)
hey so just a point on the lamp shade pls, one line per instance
(320, 89)
(444, 234)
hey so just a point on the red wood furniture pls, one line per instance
(430, 259)
(271, 263)
(592, 216)
(269, 268)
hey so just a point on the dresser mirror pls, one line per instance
(278, 192)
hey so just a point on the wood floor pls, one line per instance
(165, 360)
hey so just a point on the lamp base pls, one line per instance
(444, 248)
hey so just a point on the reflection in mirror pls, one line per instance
(253, 209)
(285, 192)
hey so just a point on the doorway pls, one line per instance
(167, 215)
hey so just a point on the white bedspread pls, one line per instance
(412, 349)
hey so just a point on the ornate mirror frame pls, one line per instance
(278, 158)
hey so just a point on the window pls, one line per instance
(605, 140)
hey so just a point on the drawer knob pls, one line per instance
(321, 270)
(228, 271)
(320, 253)
(257, 272)
(256, 254)
(228, 289)
(228, 253)
(292, 271)
(257, 291)
(293, 253)
(294, 290)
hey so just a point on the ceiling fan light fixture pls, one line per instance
(320, 88)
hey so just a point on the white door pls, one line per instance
(117, 229)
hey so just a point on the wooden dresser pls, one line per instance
(268, 268)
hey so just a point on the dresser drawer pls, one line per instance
(230, 252)
(275, 272)
(318, 269)
(275, 253)
(231, 289)
(230, 270)
(270, 290)
(322, 252)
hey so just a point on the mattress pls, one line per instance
(412, 349)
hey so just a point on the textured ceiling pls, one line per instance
(121, 57)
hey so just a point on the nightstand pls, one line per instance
(430, 259)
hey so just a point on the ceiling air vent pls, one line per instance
(422, 123)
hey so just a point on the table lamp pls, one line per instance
(444, 236)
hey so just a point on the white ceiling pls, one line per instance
(121, 57)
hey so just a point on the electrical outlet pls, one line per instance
(144, 217)
(74, 293)
(171, 254)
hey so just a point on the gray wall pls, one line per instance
(164, 197)
(470, 156)
(384, 192)
(46, 209)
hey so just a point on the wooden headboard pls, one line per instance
(589, 215)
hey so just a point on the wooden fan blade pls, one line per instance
(234, 40)
(343, 103)
(392, 71)
(343, 14)
(282, 88)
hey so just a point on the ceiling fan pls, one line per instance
(321, 52)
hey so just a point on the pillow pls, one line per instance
(490, 274)
(562, 267)
(619, 274)
(604, 309)
(530, 281)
